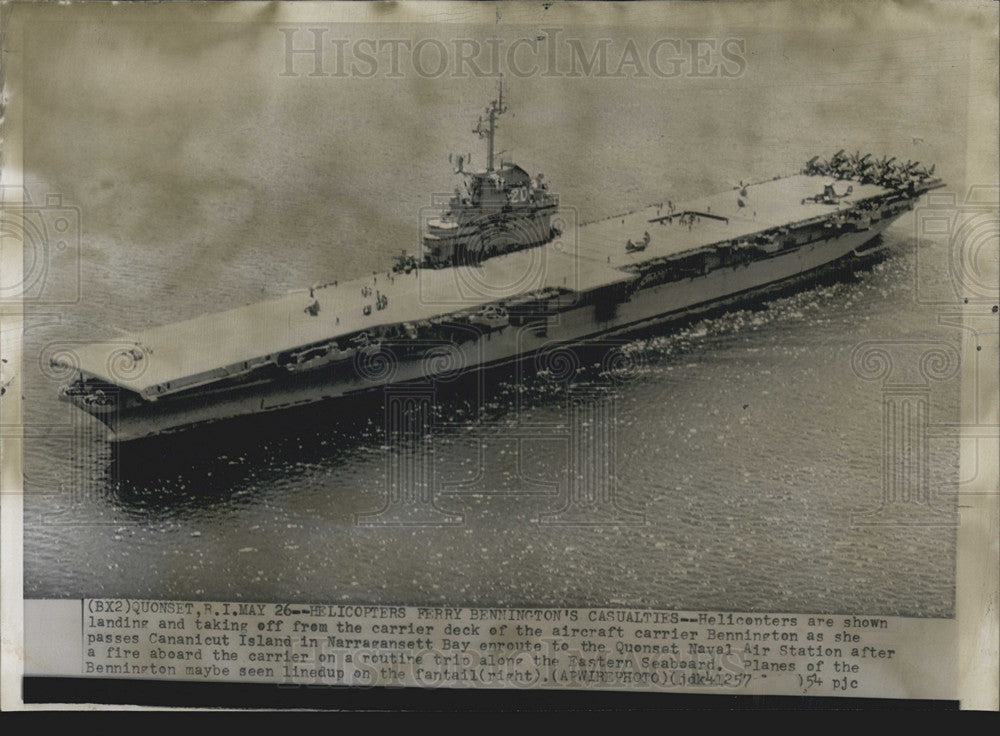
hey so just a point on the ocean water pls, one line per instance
(747, 452)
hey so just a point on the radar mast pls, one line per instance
(487, 128)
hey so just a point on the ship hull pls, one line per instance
(129, 421)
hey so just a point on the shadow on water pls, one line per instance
(206, 466)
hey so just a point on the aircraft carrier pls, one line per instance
(495, 280)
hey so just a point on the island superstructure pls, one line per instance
(502, 209)
(496, 280)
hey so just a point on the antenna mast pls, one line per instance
(495, 109)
